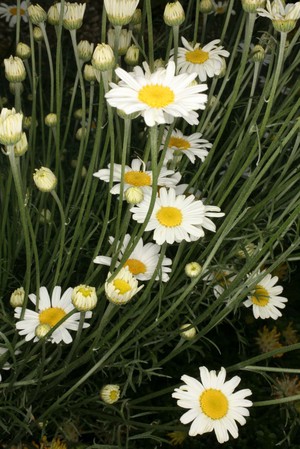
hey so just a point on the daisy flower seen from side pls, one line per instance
(143, 260)
(122, 288)
(213, 405)
(50, 312)
(10, 12)
(135, 176)
(205, 61)
(176, 218)
(283, 16)
(265, 300)
(159, 96)
(192, 146)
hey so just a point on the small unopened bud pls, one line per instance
(73, 15)
(84, 298)
(21, 146)
(110, 393)
(85, 50)
(103, 58)
(159, 63)
(193, 269)
(44, 179)
(78, 114)
(45, 216)
(10, 126)
(80, 133)
(42, 330)
(17, 297)
(37, 34)
(124, 40)
(14, 69)
(89, 73)
(132, 55)
(137, 17)
(174, 14)
(258, 53)
(188, 332)
(51, 120)
(206, 6)
(36, 14)
(134, 195)
(23, 51)
(53, 15)
(27, 122)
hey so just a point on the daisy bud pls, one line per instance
(188, 332)
(137, 17)
(223, 68)
(51, 120)
(37, 34)
(284, 26)
(89, 73)
(252, 5)
(73, 15)
(80, 133)
(248, 251)
(36, 14)
(13, 88)
(10, 126)
(120, 12)
(27, 122)
(78, 114)
(174, 14)
(110, 393)
(124, 40)
(23, 51)
(42, 330)
(159, 63)
(258, 53)
(45, 216)
(103, 58)
(44, 179)
(21, 146)
(53, 15)
(17, 297)
(206, 6)
(84, 298)
(134, 195)
(193, 269)
(85, 50)
(132, 55)
(14, 69)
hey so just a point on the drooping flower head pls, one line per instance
(191, 146)
(159, 96)
(206, 61)
(213, 405)
(36, 324)
(73, 14)
(264, 298)
(176, 217)
(120, 12)
(143, 260)
(9, 12)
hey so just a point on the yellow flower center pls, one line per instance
(156, 95)
(213, 403)
(137, 178)
(179, 143)
(135, 266)
(85, 291)
(14, 10)
(114, 395)
(169, 216)
(51, 316)
(197, 56)
(122, 286)
(260, 296)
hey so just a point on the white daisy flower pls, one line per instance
(135, 177)
(50, 312)
(143, 260)
(221, 7)
(205, 61)
(176, 218)
(122, 288)
(265, 300)
(277, 10)
(120, 12)
(221, 280)
(9, 12)
(212, 404)
(158, 96)
(192, 146)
